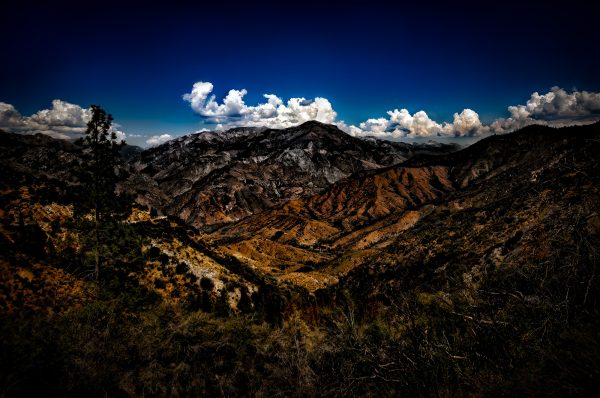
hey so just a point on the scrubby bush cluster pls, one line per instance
(416, 344)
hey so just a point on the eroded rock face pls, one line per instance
(483, 199)
(212, 178)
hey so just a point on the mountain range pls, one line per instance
(211, 178)
(480, 248)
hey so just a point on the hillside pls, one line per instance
(337, 230)
(40, 243)
(212, 178)
(399, 271)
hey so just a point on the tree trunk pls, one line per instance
(97, 254)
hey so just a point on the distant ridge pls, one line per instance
(210, 178)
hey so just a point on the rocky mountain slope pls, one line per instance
(212, 178)
(43, 270)
(314, 241)
(37, 155)
(471, 273)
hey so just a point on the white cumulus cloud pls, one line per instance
(9, 116)
(275, 113)
(401, 123)
(64, 120)
(62, 114)
(555, 108)
(158, 139)
(466, 123)
(232, 111)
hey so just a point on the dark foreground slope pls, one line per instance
(499, 281)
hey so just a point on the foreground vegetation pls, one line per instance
(544, 342)
(530, 330)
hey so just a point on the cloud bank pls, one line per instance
(555, 108)
(401, 124)
(64, 120)
(274, 113)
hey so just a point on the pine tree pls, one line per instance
(99, 208)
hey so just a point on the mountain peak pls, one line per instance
(315, 123)
(212, 178)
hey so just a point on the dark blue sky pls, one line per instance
(365, 57)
